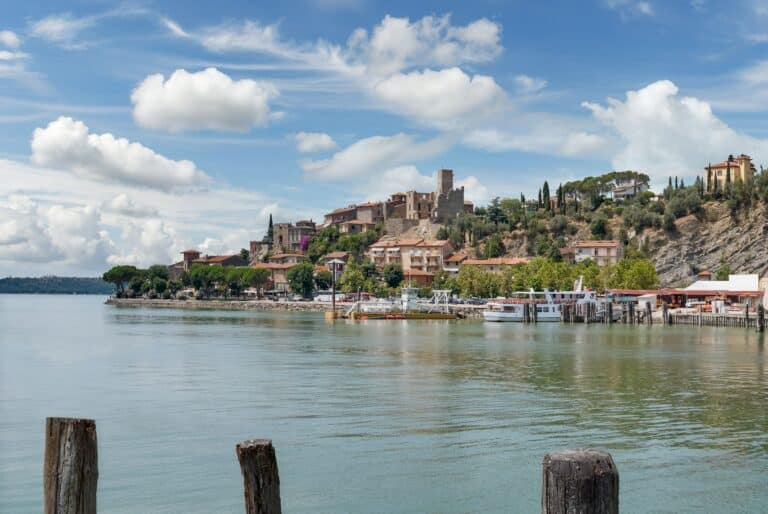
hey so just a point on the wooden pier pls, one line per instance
(573, 481)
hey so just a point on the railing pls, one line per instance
(573, 481)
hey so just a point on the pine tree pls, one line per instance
(545, 193)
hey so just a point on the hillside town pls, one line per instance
(597, 230)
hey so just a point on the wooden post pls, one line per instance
(760, 318)
(70, 469)
(261, 480)
(631, 313)
(579, 482)
(664, 313)
(610, 313)
(649, 313)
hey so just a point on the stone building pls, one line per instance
(293, 238)
(739, 168)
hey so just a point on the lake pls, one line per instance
(378, 416)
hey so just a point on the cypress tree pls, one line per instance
(676, 186)
(270, 230)
(709, 178)
(682, 184)
(539, 198)
(545, 192)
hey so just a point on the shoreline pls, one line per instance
(468, 311)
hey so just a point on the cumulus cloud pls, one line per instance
(529, 85)
(583, 143)
(67, 143)
(440, 96)
(31, 232)
(9, 39)
(145, 242)
(474, 190)
(665, 134)
(208, 99)
(373, 155)
(307, 142)
(123, 204)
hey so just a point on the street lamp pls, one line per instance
(333, 265)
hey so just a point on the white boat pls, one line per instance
(547, 304)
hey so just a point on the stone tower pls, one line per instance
(444, 181)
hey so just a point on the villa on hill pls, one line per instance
(716, 176)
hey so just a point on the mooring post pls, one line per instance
(70, 469)
(760, 318)
(649, 313)
(579, 482)
(261, 480)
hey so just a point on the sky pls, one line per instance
(130, 131)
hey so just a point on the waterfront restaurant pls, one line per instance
(742, 289)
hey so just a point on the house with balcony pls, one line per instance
(603, 252)
(496, 264)
(411, 254)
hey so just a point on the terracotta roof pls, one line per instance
(457, 257)
(417, 273)
(567, 250)
(705, 274)
(320, 267)
(632, 292)
(191, 251)
(437, 243)
(497, 261)
(396, 242)
(219, 258)
(609, 243)
(275, 265)
(734, 163)
(342, 209)
(369, 204)
(336, 255)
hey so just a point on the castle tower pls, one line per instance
(444, 181)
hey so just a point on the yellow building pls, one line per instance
(741, 168)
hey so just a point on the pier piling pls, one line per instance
(648, 313)
(760, 318)
(579, 481)
(70, 469)
(261, 481)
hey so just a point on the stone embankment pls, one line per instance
(467, 311)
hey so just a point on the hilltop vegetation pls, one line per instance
(666, 230)
(53, 285)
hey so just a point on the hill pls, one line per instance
(54, 285)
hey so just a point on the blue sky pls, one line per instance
(132, 130)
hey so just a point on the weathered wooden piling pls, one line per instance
(631, 313)
(648, 313)
(261, 481)
(760, 318)
(610, 313)
(70, 469)
(579, 482)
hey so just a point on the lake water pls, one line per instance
(377, 416)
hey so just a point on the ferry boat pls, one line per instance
(547, 304)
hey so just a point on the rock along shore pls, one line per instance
(467, 311)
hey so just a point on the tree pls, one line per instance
(496, 213)
(270, 230)
(724, 271)
(323, 279)
(301, 279)
(353, 279)
(160, 285)
(157, 271)
(545, 196)
(256, 278)
(234, 279)
(494, 247)
(442, 234)
(120, 276)
(539, 205)
(393, 275)
(245, 255)
(599, 227)
(668, 221)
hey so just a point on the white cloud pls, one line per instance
(474, 190)
(373, 155)
(30, 232)
(9, 39)
(208, 99)
(123, 204)
(52, 221)
(441, 97)
(529, 85)
(583, 143)
(630, 7)
(7, 55)
(60, 28)
(666, 134)
(67, 143)
(307, 142)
